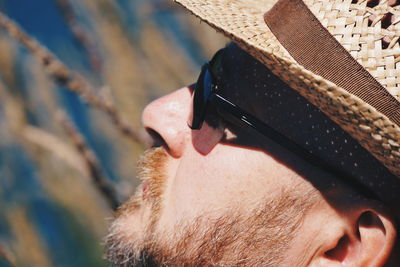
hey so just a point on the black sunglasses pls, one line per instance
(205, 94)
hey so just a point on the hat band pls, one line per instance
(312, 46)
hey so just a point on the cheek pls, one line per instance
(201, 181)
(228, 177)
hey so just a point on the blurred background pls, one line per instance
(74, 78)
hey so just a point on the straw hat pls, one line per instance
(318, 47)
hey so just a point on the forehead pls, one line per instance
(247, 83)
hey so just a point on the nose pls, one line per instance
(166, 119)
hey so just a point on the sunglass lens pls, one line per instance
(202, 92)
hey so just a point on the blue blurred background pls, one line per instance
(130, 52)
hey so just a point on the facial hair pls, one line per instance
(253, 236)
(122, 246)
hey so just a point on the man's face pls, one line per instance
(222, 195)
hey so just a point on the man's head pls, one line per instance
(226, 195)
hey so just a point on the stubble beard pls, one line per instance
(125, 248)
(252, 236)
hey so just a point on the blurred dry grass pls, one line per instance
(129, 65)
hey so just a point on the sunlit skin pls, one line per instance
(213, 171)
(201, 182)
(198, 183)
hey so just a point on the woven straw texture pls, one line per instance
(360, 26)
(370, 31)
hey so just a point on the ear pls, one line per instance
(364, 238)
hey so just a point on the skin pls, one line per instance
(218, 179)
(217, 170)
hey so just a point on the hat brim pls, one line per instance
(243, 22)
